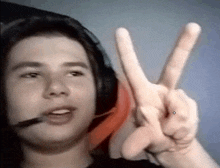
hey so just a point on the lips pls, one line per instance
(59, 115)
(60, 112)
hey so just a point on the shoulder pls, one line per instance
(103, 161)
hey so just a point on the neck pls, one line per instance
(76, 157)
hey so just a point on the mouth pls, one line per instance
(59, 115)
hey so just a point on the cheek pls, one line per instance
(26, 101)
(21, 102)
(85, 94)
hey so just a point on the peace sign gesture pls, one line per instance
(167, 117)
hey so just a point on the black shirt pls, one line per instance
(104, 161)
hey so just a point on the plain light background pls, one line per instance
(154, 26)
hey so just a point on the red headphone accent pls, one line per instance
(111, 124)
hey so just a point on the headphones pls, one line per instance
(117, 116)
(106, 81)
(112, 98)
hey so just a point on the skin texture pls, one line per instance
(170, 137)
(32, 90)
(154, 101)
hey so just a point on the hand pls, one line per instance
(166, 116)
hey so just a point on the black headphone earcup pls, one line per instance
(107, 95)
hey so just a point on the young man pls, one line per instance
(56, 78)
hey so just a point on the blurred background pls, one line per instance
(154, 26)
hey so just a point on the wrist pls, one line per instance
(192, 156)
(173, 157)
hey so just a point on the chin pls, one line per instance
(53, 140)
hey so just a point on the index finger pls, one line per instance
(178, 58)
(130, 64)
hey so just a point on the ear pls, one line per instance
(114, 121)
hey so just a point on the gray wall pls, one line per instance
(154, 26)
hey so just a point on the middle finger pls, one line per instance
(177, 60)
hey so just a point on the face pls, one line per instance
(50, 76)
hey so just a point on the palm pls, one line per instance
(156, 102)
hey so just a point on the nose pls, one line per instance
(55, 87)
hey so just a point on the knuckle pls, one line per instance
(181, 132)
(183, 116)
(193, 102)
(182, 93)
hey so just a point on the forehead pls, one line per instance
(45, 48)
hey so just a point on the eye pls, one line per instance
(76, 73)
(30, 75)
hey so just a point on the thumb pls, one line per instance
(136, 142)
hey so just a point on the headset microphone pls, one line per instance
(27, 123)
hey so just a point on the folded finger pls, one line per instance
(145, 138)
(136, 143)
(177, 113)
(182, 116)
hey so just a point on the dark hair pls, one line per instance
(105, 78)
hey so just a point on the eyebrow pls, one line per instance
(38, 65)
(72, 64)
(26, 64)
